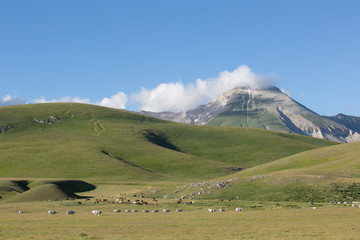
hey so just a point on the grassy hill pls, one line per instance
(96, 144)
(325, 174)
(69, 140)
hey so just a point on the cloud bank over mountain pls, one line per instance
(178, 97)
(173, 96)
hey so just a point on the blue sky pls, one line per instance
(119, 53)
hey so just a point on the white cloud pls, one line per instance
(11, 100)
(116, 101)
(174, 96)
(179, 97)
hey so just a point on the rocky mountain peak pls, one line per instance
(267, 108)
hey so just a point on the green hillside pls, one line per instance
(333, 161)
(79, 141)
(325, 174)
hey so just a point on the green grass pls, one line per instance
(334, 161)
(116, 153)
(324, 174)
(97, 143)
(258, 220)
(40, 190)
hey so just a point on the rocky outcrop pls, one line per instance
(5, 128)
(50, 120)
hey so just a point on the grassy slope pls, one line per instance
(324, 174)
(333, 161)
(75, 147)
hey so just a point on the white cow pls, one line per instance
(166, 210)
(211, 210)
(96, 212)
(21, 212)
(238, 209)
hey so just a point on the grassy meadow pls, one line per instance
(50, 153)
(258, 220)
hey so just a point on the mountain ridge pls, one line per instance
(267, 108)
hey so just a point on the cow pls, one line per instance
(211, 210)
(166, 210)
(155, 211)
(145, 211)
(127, 210)
(70, 212)
(221, 210)
(117, 211)
(238, 209)
(134, 210)
(21, 212)
(179, 210)
(52, 212)
(96, 212)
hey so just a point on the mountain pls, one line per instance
(270, 109)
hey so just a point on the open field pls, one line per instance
(258, 220)
(283, 222)
(62, 151)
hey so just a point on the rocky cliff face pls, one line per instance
(268, 109)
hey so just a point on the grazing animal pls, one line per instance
(155, 211)
(117, 211)
(21, 212)
(211, 210)
(145, 211)
(52, 212)
(314, 207)
(96, 212)
(238, 209)
(135, 210)
(179, 210)
(221, 210)
(166, 210)
(127, 210)
(70, 212)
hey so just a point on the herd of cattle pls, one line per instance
(99, 212)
